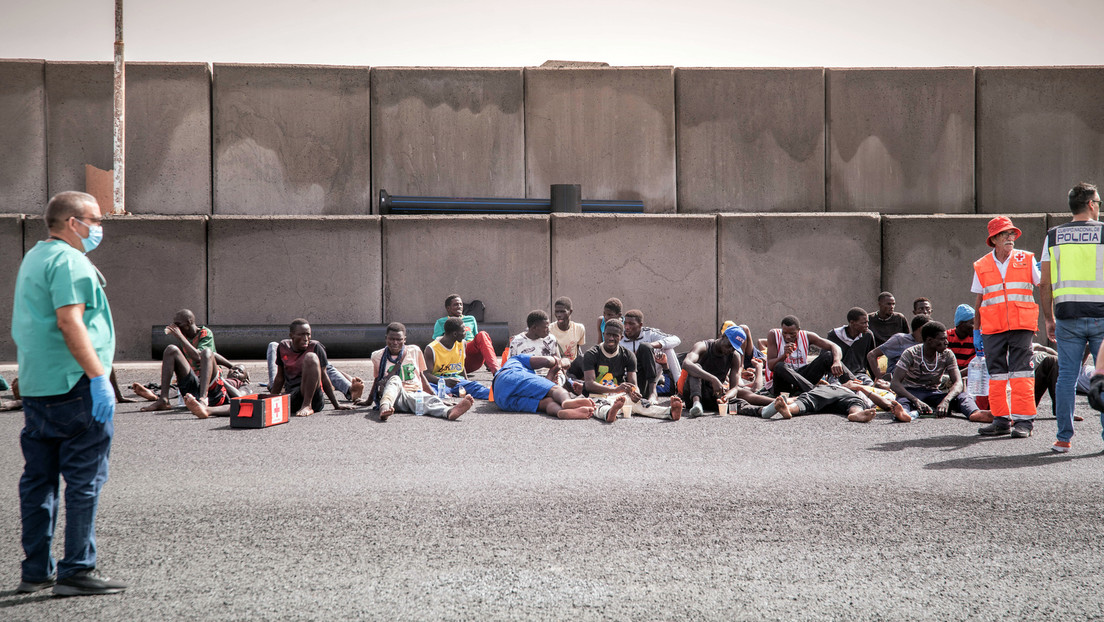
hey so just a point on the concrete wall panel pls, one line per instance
(275, 269)
(1040, 132)
(23, 136)
(934, 257)
(901, 141)
(291, 140)
(78, 123)
(168, 138)
(11, 254)
(610, 130)
(750, 140)
(448, 132)
(501, 260)
(663, 265)
(816, 268)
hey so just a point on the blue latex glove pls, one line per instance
(103, 399)
(977, 343)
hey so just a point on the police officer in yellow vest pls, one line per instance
(1072, 296)
(1007, 317)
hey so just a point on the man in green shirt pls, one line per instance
(65, 341)
(194, 362)
(478, 350)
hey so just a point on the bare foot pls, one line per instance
(579, 412)
(12, 405)
(618, 404)
(386, 410)
(577, 387)
(783, 408)
(157, 405)
(863, 416)
(198, 408)
(461, 408)
(898, 410)
(578, 402)
(143, 392)
(356, 390)
(982, 416)
(676, 408)
(305, 411)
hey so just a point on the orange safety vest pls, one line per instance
(1008, 303)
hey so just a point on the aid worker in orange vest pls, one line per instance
(1004, 281)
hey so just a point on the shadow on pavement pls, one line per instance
(948, 442)
(11, 598)
(984, 463)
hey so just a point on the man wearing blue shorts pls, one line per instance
(517, 388)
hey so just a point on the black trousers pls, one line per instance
(796, 381)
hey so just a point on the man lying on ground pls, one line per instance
(518, 388)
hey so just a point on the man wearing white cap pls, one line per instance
(1007, 317)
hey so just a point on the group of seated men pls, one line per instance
(876, 360)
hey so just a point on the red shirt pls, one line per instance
(963, 348)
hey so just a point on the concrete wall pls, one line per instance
(813, 266)
(448, 132)
(901, 140)
(933, 257)
(78, 123)
(501, 260)
(291, 140)
(22, 136)
(662, 265)
(271, 270)
(750, 140)
(1040, 132)
(610, 130)
(168, 138)
(11, 253)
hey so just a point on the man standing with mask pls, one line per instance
(62, 327)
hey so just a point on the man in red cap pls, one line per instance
(1007, 317)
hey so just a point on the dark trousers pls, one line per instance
(829, 399)
(647, 369)
(795, 381)
(60, 437)
(695, 387)
(1046, 379)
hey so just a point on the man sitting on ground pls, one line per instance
(518, 388)
(961, 339)
(895, 346)
(922, 306)
(788, 365)
(400, 377)
(650, 347)
(855, 342)
(919, 372)
(886, 322)
(444, 358)
(610, 370)
(711, 364)
(194, 362)
(478, 350)
(610, 311)
(536, 341)
(570, 335)
(352, 387)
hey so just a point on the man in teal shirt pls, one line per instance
(62, 327)
(478, 350)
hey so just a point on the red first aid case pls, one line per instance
(259, 410)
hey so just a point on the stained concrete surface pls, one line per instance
(520, 516)
(901, 141)
(610, 130)
(662, 265)
(291, 139)
(1040, 131)
(501, 260)
(78, 123)
(23, 135)
(750, 140)
(11, 254)
(448, 132)
(815, 267)
(271, 270)
(934, 257)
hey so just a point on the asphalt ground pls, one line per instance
(525, 517)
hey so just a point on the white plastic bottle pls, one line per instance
(419, 403)
(977, 377)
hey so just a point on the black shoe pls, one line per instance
(1022, 429)
(1000, 425)
(30, 587)
(88, 583)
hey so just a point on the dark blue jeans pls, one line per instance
(61, 438)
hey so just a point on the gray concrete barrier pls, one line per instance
(448, 132)
(1040, 132)
(78, 123)
(291, 139)
(11, 253)
(901, 141)
(813, 266)
(22, 135)
(611, 130)
(271, 270)
(750, 140)
(663, 265)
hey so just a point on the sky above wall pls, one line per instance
(514, 33)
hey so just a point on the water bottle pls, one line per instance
(441, 388)
(419, 403)
(977, 377)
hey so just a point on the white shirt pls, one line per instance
(1036, 275)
